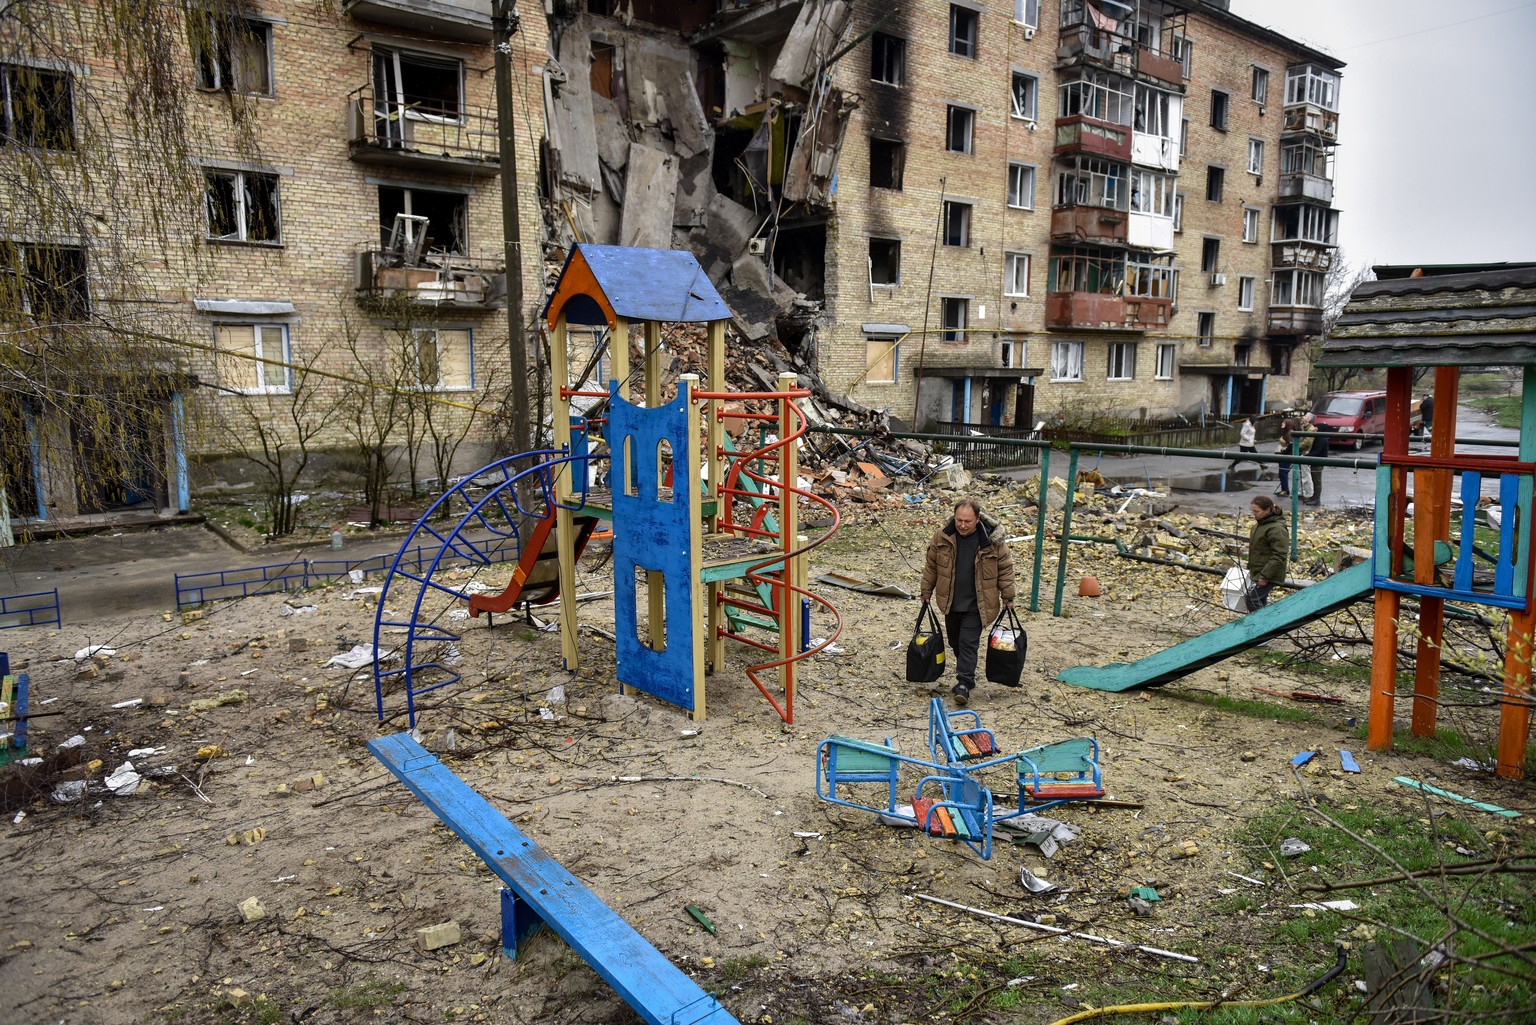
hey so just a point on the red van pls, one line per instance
(1353, 412)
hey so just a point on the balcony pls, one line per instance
(1156, 65)
(466, 20)
(407, 136)
(1295, 320)
(1307, 119)
(1301, 255)
(1079, 134)
(1098, 311)
(440, 281)
(1088, 224)
(1301, 185)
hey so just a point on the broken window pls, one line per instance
(1250, 224)
(1094, 269)
(957, 223)
(1026, 95)
(254, 359)
(233, 55)
(888, 59)
(45, 284)
(1016, 274)
(446, 214)
(242, 206)
(958, 134)
(1145, 278)
(882, 356)
(1210, 255)
(1156, 111)
(1205, 329)
(1255, 156)
(962, 31)
(886, 160)
(1304, 222)
(1151, 193)
(1066, 361)
(1245, 292)
(443, 358)
(1166, 353)
(953, 312)
(1098, 95)
(1182, 49)
(1215, 182)
(416, 85)
(1021, 186)
(1122, 361)
(1027, 12)
(1218, 110)
(1279, 359)
(36, 108)
(1091, 181)
(1260, 86)
(884, 261)
(1178, 211)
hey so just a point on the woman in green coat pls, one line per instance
(1269, 547)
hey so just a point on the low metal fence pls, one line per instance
(40, 608)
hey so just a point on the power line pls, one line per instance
(1437, 28)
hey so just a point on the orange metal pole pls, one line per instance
(1515, 719)
(1378, 733)
(1432, 523)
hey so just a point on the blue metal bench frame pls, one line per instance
(540, 892)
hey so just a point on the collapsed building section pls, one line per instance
(670, 127)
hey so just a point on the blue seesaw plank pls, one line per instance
(658, 991)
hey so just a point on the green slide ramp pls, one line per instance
(1313, 602)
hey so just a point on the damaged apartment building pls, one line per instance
(964, 213)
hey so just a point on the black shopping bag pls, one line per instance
(925, 652)
(1006, 646)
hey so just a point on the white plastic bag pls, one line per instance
(1234, 589)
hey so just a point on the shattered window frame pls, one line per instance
(1250, 224)
(1246, 287)
(964, 31)
(1178, 211)
(888, 154)
(48, 284)
(1024, 96)
(957, 224)
(1221, 112)
(234, 55)
(1205, 328)
(1066, 361)
(37, 107)
(243, 206)
(1215, 182)
(1167, 353)
(1260, 88)
(887, 59)
(444, 358)
(1210, 254)
(1016, 275)
(959, 129)
(1021, 185)
(890, 257)
(395, 88)
(954, 317)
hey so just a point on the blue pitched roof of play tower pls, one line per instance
(647, 284)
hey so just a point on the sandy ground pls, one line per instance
(126, 909)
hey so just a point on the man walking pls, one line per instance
(1247, 441)
(1320, 447)
(1287, 431)
(968, 573)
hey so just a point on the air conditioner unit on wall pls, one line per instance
(1218, 279)
(1029, 32)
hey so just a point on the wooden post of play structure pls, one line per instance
(789, 536)
(1390, 489)
(1515, 716)
(1432, 523)
(655, 585)
(685, 474)
(565, 533)
(714, 461)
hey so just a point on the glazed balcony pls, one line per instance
(1080, 134)
(1295, 320)
(417, 138)
(1301, 255)
(441, 281)
(466, 20)
(1309, 120)
(1089, 224)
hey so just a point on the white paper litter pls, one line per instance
(1329, 905)
(74, 741)
(124, 782)
(131, 702)
(360, 592)
(68, 792)
(145, 752)
(360, 655)
(297, 610)
(94, 649)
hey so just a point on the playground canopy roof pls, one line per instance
(1469, 315)
(600, 284)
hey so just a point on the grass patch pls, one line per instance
(734, 969)
(1448, 746)
(1478, 918)
(1505, 409)
(366, 997)
(1251, 707)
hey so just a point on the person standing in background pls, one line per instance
(1287, 433)
(1247, 441)
(1320, 447)
(1269, 547)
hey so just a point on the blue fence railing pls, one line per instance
(39, 608)
(193, 589)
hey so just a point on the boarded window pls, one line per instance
(443, 358)
(254, 358)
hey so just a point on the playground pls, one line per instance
(315, 796)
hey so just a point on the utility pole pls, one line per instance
(503, 24)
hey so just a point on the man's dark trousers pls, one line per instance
(964, 629)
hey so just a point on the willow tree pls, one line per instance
(99, 192)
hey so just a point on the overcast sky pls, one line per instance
(1437, 123)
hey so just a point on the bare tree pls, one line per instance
(1339, 283)
(280, 445)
